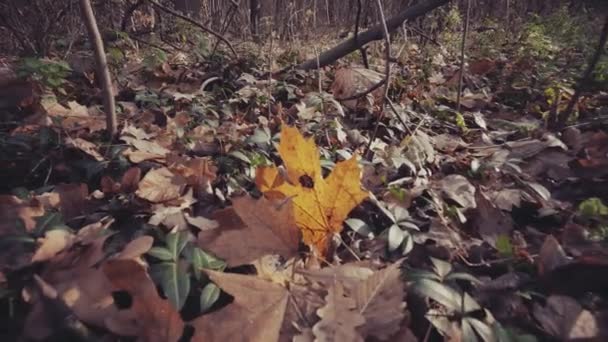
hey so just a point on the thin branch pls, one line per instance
(365, 92)
(195, 23)
(387, 79)
(229, 17)
(462, 54)
(361, 49)
(102, 66)
(587, 76)
(128, 13)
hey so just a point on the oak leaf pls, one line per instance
(255, 315)
(161, 185)
(320, 205)
(339, 317)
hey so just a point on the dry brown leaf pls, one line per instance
(130, 179)
(161, 185)
(54, 241)
(252, 229)
(13, 210)
(70, 199)
(198, 172)
(458, 189)
(490, 221)
(340, 317)
(85, 146)
(565, 319)
(155, 319)
(551, 256)
(379, 299)
(255, 315)
(355, 80)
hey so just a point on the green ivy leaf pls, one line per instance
(176, 242)
(161, 253)
(174, 281)
(209, 296)
(504, 246)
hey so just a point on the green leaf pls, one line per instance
(592, 207)
(360, 227)
(202, 260)
(174, 281)
(504, 246)
(176, 242)
(438, 292)
(161, 253)
(483, 329)
(463, 276)
(395, 237)
(468, 334)
(209, 296)
(441, 267)
(47, 222)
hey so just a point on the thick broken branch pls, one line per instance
(195, 23)
(375, 33)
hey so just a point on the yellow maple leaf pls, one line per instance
(320, 205)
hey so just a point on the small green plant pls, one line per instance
(440, 286)
(592, 208)
(154, 58)
(51, 74)
(179, 259)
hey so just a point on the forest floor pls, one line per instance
(211, 217)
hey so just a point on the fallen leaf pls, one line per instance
(252, 229)
(255, 315)
(130, 179)
(70, 199)
(320, 205)
(551, 256)
(566, 320)
(458, 189)
(54, 241)
(155, 319)
(85, 146)
(379, 299)
(340, 318)
(160, 185)
(489, 221)
(14, 210)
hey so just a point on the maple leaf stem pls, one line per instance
(348, 248)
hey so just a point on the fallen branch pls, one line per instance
(195, 23)
(375, 33)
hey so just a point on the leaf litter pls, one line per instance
(255, 212)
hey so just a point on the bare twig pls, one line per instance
(462, 54)
(229, 17)
(361, 49)
(563, 117)
(387, 78)
(102, 66)
(195, 23)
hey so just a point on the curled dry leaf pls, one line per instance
(458, 189)
(161, 185)
(255, 315)
(198, 172)
(252, 229)
(320, 205)
(85, 146)
(155, 320)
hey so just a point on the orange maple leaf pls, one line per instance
(320, 205)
